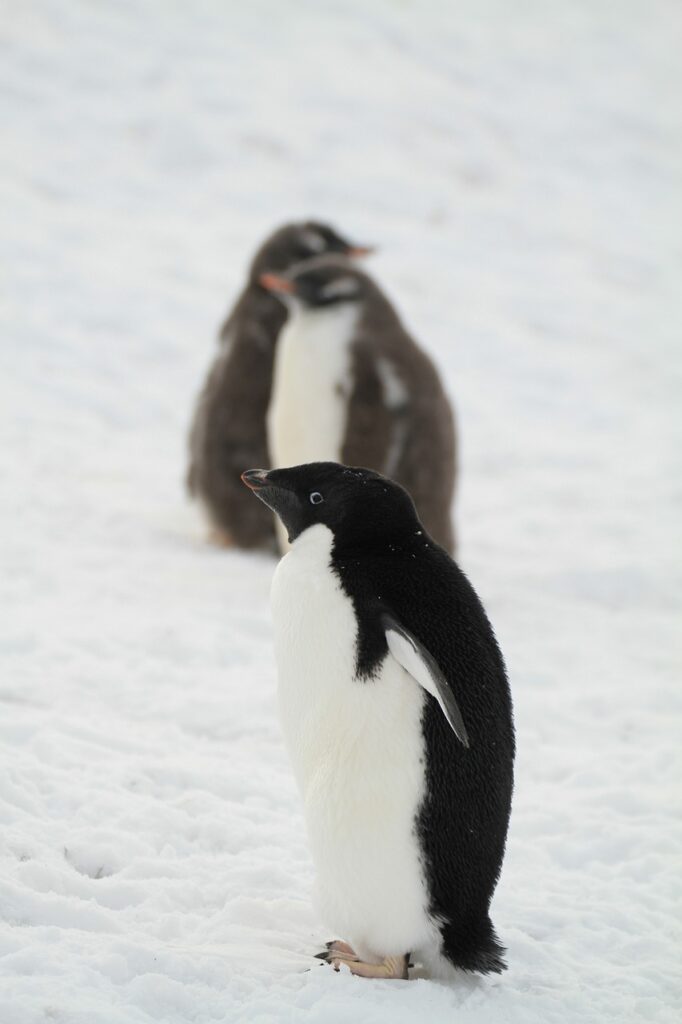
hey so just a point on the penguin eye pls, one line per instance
(316, 498)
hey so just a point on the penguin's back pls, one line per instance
(464, 815)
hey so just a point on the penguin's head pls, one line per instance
(360, 507)
(294, 243)
(325, 282)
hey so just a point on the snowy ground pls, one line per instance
(518, 166)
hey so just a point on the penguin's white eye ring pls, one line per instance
(316, 498)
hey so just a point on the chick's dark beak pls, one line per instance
(255, 478)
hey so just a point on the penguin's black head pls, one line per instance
(293, 243)
(320, 283)
(360, 507)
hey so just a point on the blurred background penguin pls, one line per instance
(352, 386)
(315, 364)
(228, 428)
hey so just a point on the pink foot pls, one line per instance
(391, 967)
(337, 948)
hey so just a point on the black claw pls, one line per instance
(322, 956)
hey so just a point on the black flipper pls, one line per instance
(421, 665)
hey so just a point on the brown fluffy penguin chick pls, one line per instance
(352, 386)
(228, 431)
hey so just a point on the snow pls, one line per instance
(519, 166)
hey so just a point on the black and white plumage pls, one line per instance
(228, 429)
(397, 714)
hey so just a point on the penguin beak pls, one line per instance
(255, 478)
(358, 251)
(283, 501)
(277, 284)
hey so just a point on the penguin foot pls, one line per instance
(337, 948)
(220, 538)
(391, 967)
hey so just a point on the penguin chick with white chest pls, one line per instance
(351, 385)
(397, 716)
(228, 430)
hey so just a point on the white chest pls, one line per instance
(315, 636)
(307, 415)
(356, 747)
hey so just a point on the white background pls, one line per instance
(519, 165)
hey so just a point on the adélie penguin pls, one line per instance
(351, 385)
(397, 716)
(228, 430)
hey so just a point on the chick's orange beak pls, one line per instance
(275, 283)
